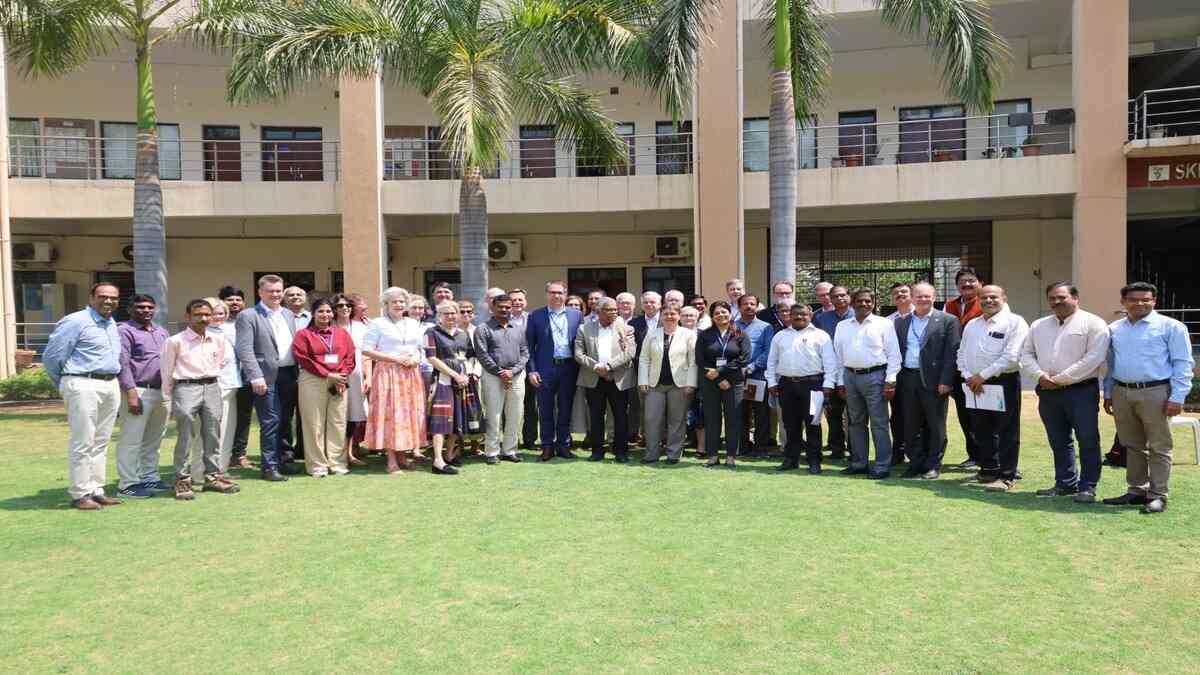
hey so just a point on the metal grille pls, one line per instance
(876, 257)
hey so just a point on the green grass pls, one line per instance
(579, 567)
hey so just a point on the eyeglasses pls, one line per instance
(342, 305)
(467, 311)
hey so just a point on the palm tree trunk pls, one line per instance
(149, 234)
(473, 240)
(781, 150)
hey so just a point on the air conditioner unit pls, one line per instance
(674, 247)
(33, 252)
(504, 250)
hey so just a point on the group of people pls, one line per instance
(327, 382)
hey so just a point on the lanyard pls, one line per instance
(328, 343)
(723, 341)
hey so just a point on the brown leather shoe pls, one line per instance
(86, 504)
(105, 500)
(242, 462)
(183, 489)
(222, 485)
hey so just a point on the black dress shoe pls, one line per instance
(457, 461)
(1127, 499)
(787, 466)
(565, 453)
(852, 471)
(492, 460)
(273, 475)
(814, 469)
(647, 460)
(447, 470)
(596, 456)
(622, 458)
(912, 472)
(969, 465)
(879, 475)
(546, 456)
(672, 460)
(515, 459)
(290, 469)
(1156, 505)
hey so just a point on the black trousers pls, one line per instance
(999, 433)
(756, 415)
(600, 398)
(924, 422)
(964, 419)
(529, 423)
(835, 415)
(291, 438)
(241, 431)
(802, 430)
(719, 405)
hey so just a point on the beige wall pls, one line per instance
(1026, 256)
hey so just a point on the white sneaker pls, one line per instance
(340, 471)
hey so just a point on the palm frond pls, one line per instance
(574, 111)
(472, 101)
(811, 57)
(50, 38)
(961, 36)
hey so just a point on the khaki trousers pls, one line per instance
(141, 436)
(91, 412)
(504, 409)
(226, 431)
(1146, 433)
(197, 410)
(323, 418)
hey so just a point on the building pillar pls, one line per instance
(364, 237)
(1100, 90)
(8, 307)
(717, 123)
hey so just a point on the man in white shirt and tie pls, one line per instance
(801, 362)
(868, 356)
(990, 354)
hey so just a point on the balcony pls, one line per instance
(1164, 122)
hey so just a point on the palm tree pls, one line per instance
(52, 38)
(958, 31)
(483, 65)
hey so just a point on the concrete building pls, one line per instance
(341, 186)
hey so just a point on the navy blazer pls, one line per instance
(541, 342)
(640, 328)
(939, 348)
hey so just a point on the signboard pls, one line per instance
(1161, 172)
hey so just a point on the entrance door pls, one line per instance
(222, 153)
(584, 280)
(292, 154)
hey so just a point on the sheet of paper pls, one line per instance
(816, 403)
(991, 398)
(756, 390)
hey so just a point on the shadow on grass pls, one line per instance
(49, 499)
(39, 417)
(1018, 499)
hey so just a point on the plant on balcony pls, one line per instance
(483, 65)
(53, 38)
(958, 31)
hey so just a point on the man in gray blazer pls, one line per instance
(262, 336)
(605, 350)
(928, 356)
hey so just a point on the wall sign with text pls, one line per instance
(1161, 172)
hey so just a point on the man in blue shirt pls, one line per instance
(835, 406)
(82, 359)
(759, 412)
(1149, 375)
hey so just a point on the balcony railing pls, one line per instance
(945, 139)
(91, 158)
(648, 155)
(1165, 113)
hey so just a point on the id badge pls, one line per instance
(331, 359)
(721, 363)
(461, 356)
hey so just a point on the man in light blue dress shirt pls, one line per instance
(1149, 375)
(82, 359)
(759, 413)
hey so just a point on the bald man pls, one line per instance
(928, 348)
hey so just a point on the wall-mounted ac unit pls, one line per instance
(504, 250)
(672, 248)
(33, 252)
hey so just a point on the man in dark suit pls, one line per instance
(778, 312)
(928, 357)
(550, 333)
(263, 335)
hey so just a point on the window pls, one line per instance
(222, 153)
(583, 280)
(663, 279)
(1003, 140)
(587, 165)
(24, 148)
(125, 284)
(305, 280)
(292, 154)
(404, 156)
(119, 150)
(806, 139)
(537, 151)
(755, 144)
(932, 134)
(70, 148)
(452, 277)
(857, 137)
(673, 148)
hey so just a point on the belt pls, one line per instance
(910, 370)
(864, 371)
(1091, 382)
(803, 378)
(563, 359)
(1141, 385)
(198, 380)
(1003, 377)
(141, 385)
(92, 376)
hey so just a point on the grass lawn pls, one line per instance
(580, 567)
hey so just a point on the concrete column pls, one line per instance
(8, 307)
(1100, 90)
(717, 122)
(364, 238)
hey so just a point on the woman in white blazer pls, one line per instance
(667, 382)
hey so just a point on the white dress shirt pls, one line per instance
(992, 347)
(283, 336)
(866, 344)
(800, 353)
(604, 344)
(1067, 351)
(651, 323)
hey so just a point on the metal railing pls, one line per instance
(944, 139)
(1164, 113)
(92, 158)
(1189, 317)
(648, 155)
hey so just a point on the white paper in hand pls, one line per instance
(816, 403)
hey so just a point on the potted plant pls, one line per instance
(1032, 146)
(1158, 131)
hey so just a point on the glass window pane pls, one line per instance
(24, 148)
(169, 153)
(806, 139)
(119, 141)
(755, 144)
(1002, 136)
